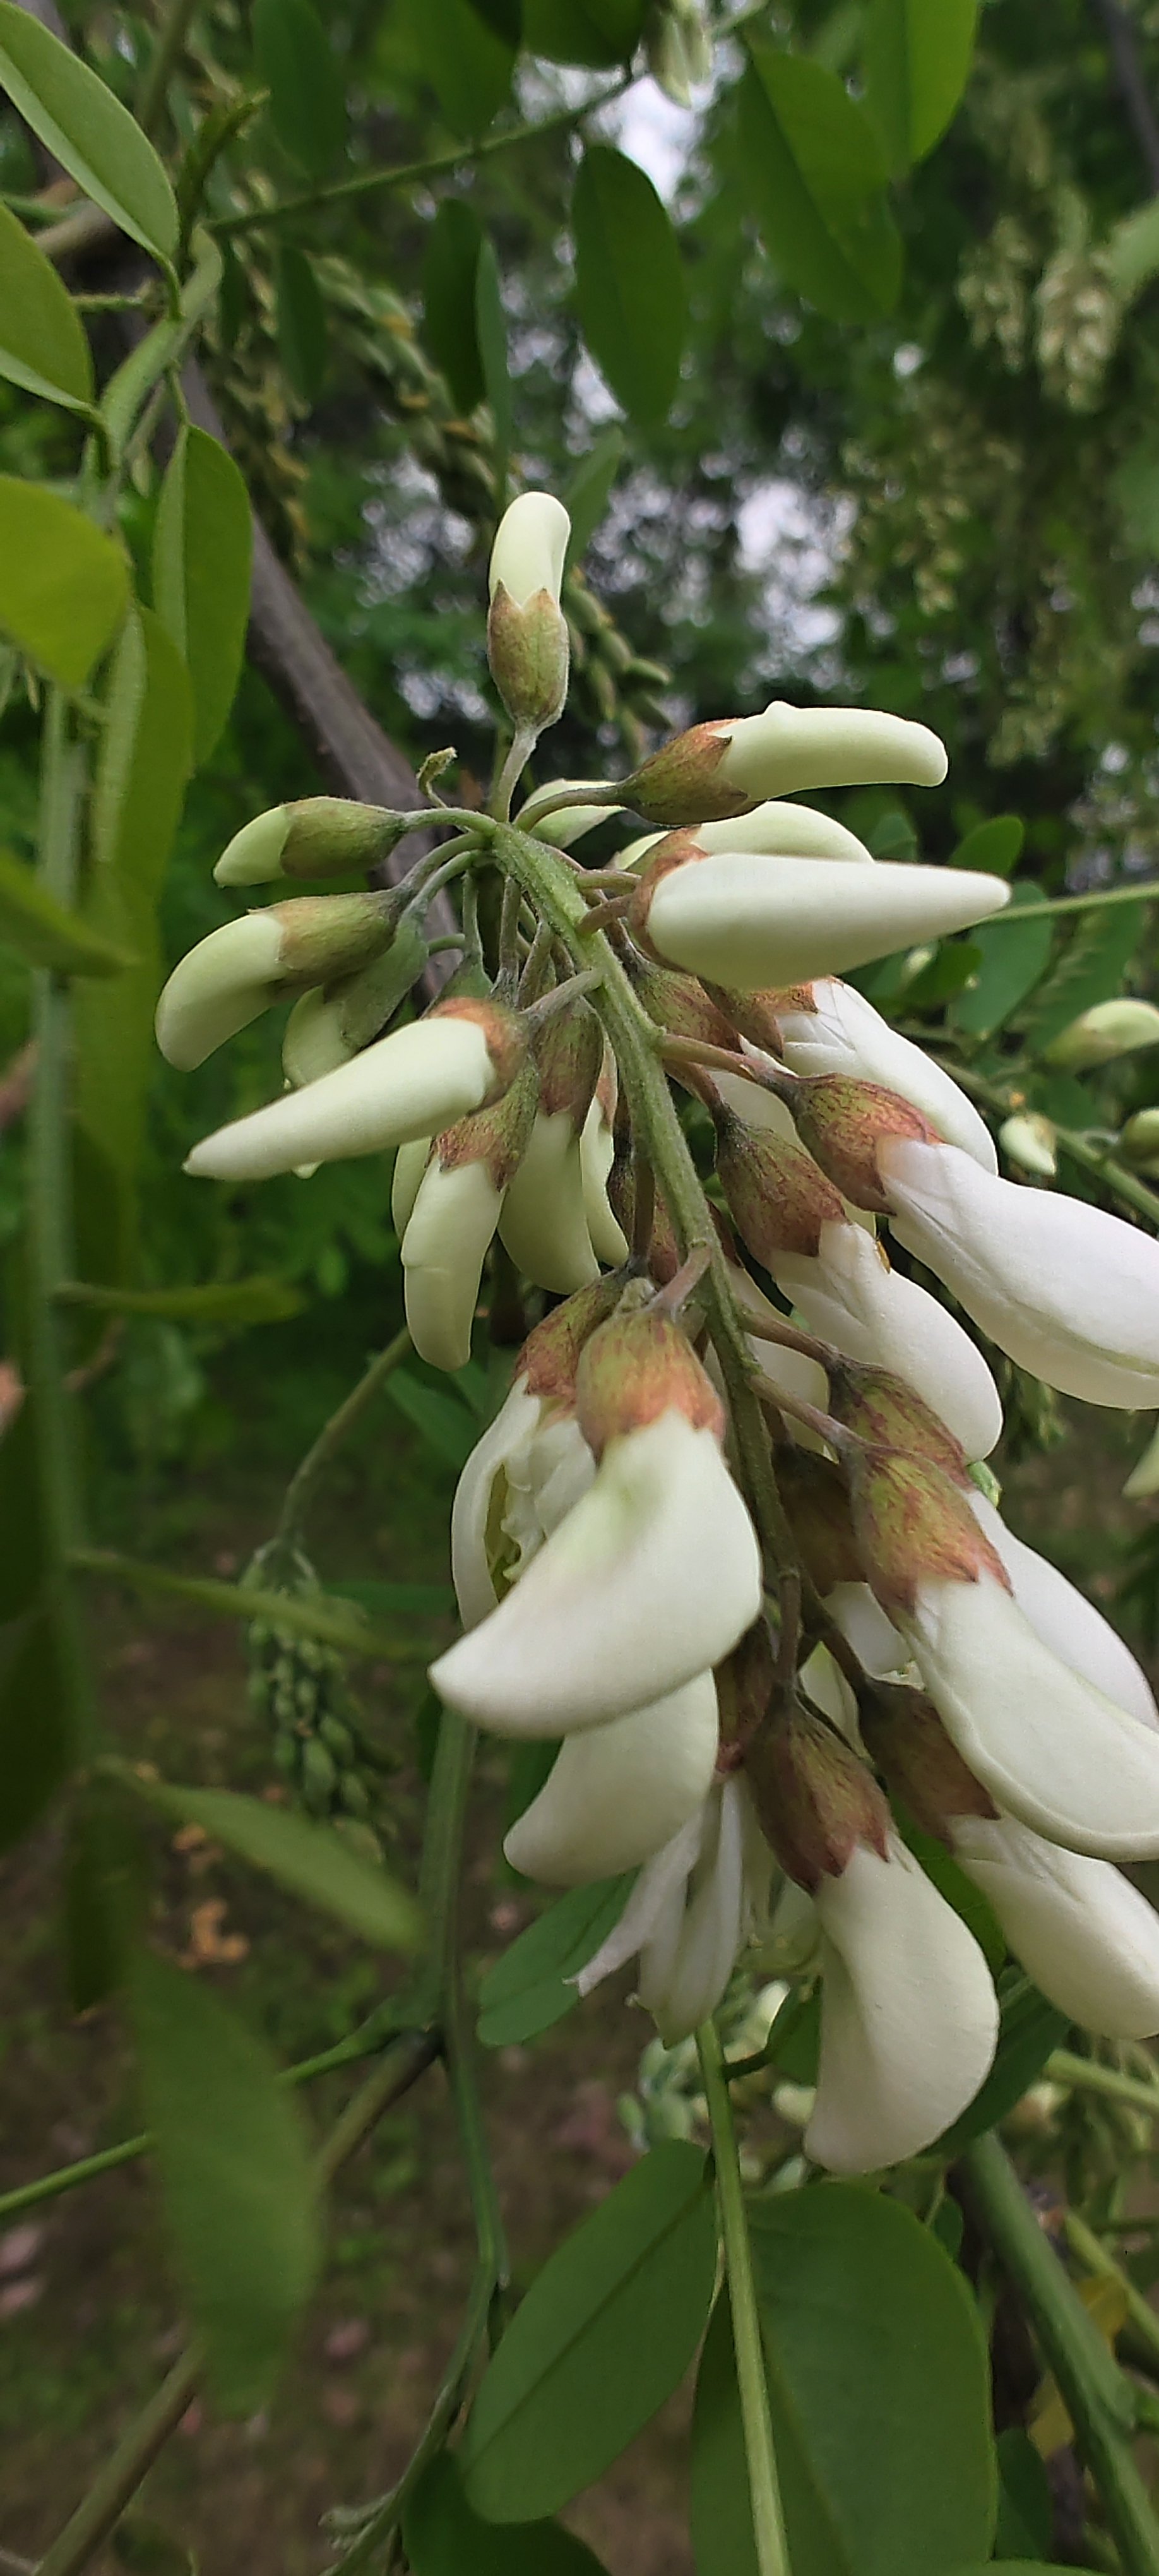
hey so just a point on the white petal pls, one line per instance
(789, 747)
(221, 985)
(849, 1295)
(543, 1224)
(443, 1250)
(823, 1681)
(512, 1429)
(1049, 1747)
(1066, 1621)
(617, 1793)
(787, 832)
(909, 2017)
(530, 546)
(312, 1042)
(683, 1990)
(844, 1034)
(410, 1163)
(1071, 1293)
(597, 1155)
(790, 1373)
(747, 921)
(414, 1082)
(1084, 1934)
(655, 1908)
(876, 1643)
(650, 1579)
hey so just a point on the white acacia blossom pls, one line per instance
(616, 1794)
(691, 1913)
(829, 1027)
(1080, 1929)
(749, 921)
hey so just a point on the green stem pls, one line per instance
(772, 2550)
(346, 1629)
(1073, 903)
(1085, 2075)
(317, 1461)
(406, 174)
(1094, 2255)
(166, 55)
(1097, 2397)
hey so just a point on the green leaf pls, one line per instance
(1130, 252)
(604, 2335)
(142, 766)
(202, 553)
(442, 2536)
(225, 1301)
(444, 1424)
(504, 18)
(296, 62)
(127, 392)
(467, 62)
(630, 283)
(310, 1859)
(1013, 959)
(63, 582)
(1134, 487)
(106, 1884)
(236, 2183)
(491, 339)
(75, 115)
(1091, 969)
(301, 322)
(993, 848)
(813, 171)
(917, 62)
(1017, 2567)
(528, 1989)
(145, 2548)
(44, 934)
(450, 273)
(1030, 2030)
(36, 1745)
(1025, 2502)
(590, 489)
(596, 33)
(878, 2390)
(43, 347)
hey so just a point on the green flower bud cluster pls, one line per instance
(301, 1689)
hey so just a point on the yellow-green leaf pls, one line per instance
(63, 583)
(44, 934)
(75, 115)
(917, 61)
(202, 552)
(43, 347)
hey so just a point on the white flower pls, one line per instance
(877, 1644)
(1066, 1621)
(530, 547)
(722, 768)
(784, 831)
(1030, 1141)
(1109, 1030)
(312, 1042)
(597, 1155)
(218, 988)
(909, 2017)
(531, 1465)
(413, 1082)
(651, 1578)
(828, 1027)
(544, 1222)
(849, 1295)
(749, 921)
(448, 1234)
(410, 1163)
(1069, 1292)
(617, 1793)
(1084, 1934)
(692, 1911)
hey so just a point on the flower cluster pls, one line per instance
(728, 1544)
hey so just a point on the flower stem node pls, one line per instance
(232, 976)
(318, 836)
(414, 1082)
(722, 769)
(527, 637)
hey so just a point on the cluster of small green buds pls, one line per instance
(301, 1690)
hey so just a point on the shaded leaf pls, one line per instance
(917, 62)
(36, 1742)
(528, 1989)
(993, 848)
(63, 583)
(1025, 2502)
(75, 115)
(467, 61)
(602, 2338)
(202, 553)
(301, 322)
(450, 273)
(1130, 252)
(491, 337)
(310, 1859)
(443, 1424)
(106, 1881)
(236, 2182)
(1091, 969)
(504, 18)
(1012, 961)
(44, 933)
(443, 2537)
(630, 284)
(226, 1301)
(812, 170)
(1030, 2030)
(590, 489)
(145, 2548)
(43, 347)
(878, 2389)
(296, 62)
(596, 33)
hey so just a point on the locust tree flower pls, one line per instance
(781, 830)
(597, 1155)
(1109, 1030)
(1030, 1140)
(234, 974)
(650, 1579)
(1064, 1618)
(693, 1910)
(312, 1041)
(544, 1224)
(749, 921)
(320, 836)
(457, 1207)
(411, 1083)
(721, 769)
(679, 49)
(527, 639)
(829, 1027)
(616, 1794)
(531, 1465)
(1048, 1745)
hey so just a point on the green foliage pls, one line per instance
(450, 272)
(202, 548)
(1030, 2031)
(87, 130)
(295, 61)
(442, 2536)
(917, 59)
(63, 583)
(629, 282)
(309, 1858)
(604, 2335)
(44, 934)
(814, 174)
(302, 334)
(529, 1989)
(43, 348)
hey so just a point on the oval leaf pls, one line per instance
(917, 62)
(235, 2173)
(443, 2537)
(596, 33)
(76, 117)
(468, 63)
(296, 62)
(63, 583)
(605, 2334)
(301, 322)
(630, 284)
(450, 270)
(529, 1988)
(1010, 964)
(994, 848)
(202, 553)
(1090, 970)
(43, 347)
(44, 934)
(878, 2389)
(311, 1860)
(1030, 2029)
(812, 170)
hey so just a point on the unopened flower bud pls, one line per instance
(319, 836)
(777, 1196)
(724, 768)
(568, 823)
(527, 639)
(908, 1742)
(1139, 1141)
(741, 918)
(879, 1407)
(544, 1221)
(1111, 1029)
(235, 973)
(781, 830)
(815, 1799)
(678, 49)
(597, 1156)
(829, 1027)
(312, 1041)
(679, 1004)
(1030, 1141)
(414, 1082)
(454, 1217)
(636, 1368)
(843, 1122)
